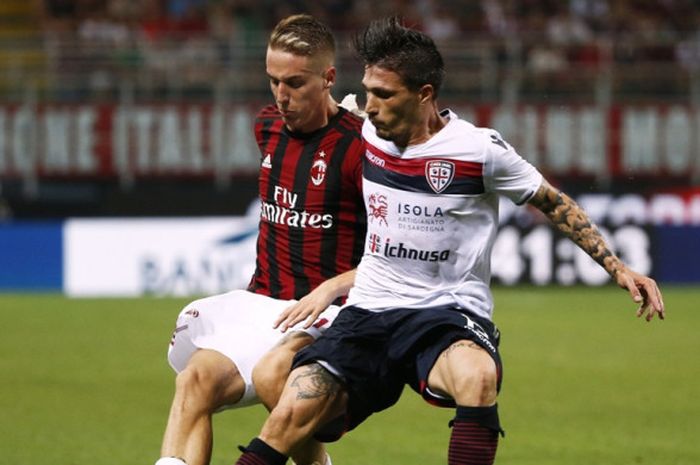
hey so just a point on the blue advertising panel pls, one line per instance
(133, 257)
(677, 254)
(31, 255)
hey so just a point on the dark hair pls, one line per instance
(303, 35)
(412, 55)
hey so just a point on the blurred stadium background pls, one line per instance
(128, 169)
(143, 109)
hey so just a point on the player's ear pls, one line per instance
(425, 93)
(329, 77)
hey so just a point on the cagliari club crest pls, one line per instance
(439, 174)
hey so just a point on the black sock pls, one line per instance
(259, 453)
(474, 437)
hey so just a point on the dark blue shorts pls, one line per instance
(376, 353)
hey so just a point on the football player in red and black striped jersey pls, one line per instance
(312, 228)
(313, 221)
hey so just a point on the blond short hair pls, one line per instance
(303, 35)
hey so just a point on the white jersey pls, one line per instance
(433, 217)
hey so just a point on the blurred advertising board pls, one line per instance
(657, 235)
(132, 141)
(179, 256)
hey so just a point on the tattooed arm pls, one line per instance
(573, 222)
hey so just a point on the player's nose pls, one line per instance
(282, 93)
(371, 107)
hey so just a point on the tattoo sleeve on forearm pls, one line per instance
(571, 220)
(315, 381)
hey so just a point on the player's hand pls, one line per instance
(644, 291)
(308, 308)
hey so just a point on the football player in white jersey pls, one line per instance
(420, 311)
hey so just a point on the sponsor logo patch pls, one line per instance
(375, 243)
(378, 208)
(385, 247)
(375, 160)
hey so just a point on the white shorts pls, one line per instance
(237, 324)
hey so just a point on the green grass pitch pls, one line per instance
(85, 381)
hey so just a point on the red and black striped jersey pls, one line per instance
(312, 220)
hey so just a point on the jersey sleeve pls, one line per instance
(262, 124)
(506, 172)
(356, 152)
(357, 168)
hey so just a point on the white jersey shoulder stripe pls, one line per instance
(430, 175)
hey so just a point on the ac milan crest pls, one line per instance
(439, 174)
(318, 172)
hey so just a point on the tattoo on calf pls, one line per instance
(314, 382)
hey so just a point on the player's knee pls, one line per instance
(198, 387)
(479, 385)
(191, 381)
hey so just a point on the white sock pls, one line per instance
(170, 461)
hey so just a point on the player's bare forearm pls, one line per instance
(340, 285)
(331, 289)
(567, 216)
(314, 303)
